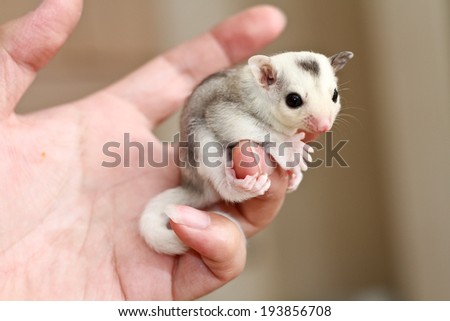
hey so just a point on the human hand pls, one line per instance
(68, 226)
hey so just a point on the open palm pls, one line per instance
(68, 226)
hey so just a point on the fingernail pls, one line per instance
(188, 216)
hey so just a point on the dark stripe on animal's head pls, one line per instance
(310, 66)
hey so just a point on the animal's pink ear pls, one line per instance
(339, 60)
(263, 70)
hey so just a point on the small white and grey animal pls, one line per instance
(284, 95)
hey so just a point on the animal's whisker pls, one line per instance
(345, 83)
(353, 108)
(348, 118)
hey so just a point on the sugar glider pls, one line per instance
(280, 97)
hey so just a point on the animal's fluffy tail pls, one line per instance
(154, 222)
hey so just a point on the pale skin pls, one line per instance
(68, 226)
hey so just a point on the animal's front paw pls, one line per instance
(292, 153)
(251, 185)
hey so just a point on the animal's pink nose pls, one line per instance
(321, 125)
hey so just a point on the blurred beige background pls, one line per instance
(378, 229)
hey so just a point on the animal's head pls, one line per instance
(301, 87)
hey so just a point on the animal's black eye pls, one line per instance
(294, 100)
(335, 95)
